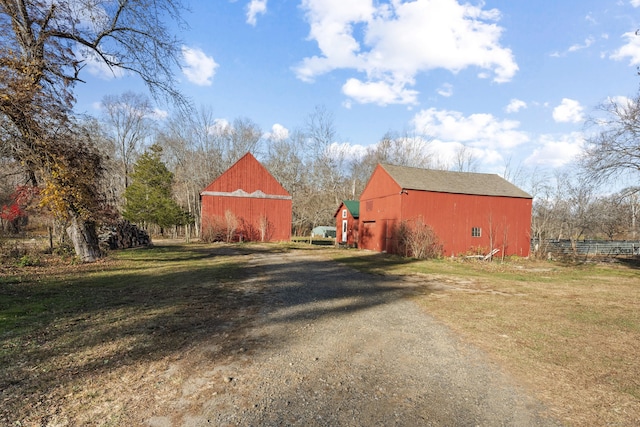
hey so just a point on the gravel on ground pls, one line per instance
(329, 346)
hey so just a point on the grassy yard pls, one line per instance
(571, 333)
(72, 337)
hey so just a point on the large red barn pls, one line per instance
(469, 212)
(250, 196)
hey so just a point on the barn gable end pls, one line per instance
(248, 193)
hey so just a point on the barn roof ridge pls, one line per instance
(439, 181)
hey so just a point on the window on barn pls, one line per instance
(369, 205)
(344, 213)
(476, 232)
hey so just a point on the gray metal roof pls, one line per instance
(439, 181)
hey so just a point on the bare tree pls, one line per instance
(127, 117)
(44, 44)
(465, 160)
(614, 149)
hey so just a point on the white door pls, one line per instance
(344, 230)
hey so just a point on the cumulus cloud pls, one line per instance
(515, 105)
(569, 111)
(380, 92)
(199, 68)
(483, 131)
(629, 50)
(219, 127)
(346, 150)
(390, 43)
(635, 3)
(278, 132)
(556, 151)
(255, 8)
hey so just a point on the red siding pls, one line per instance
(504, 221)
(352, 227)
(379, 211)
(249, 176)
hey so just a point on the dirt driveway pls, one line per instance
(328, 346)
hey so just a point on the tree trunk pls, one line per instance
(85, 239)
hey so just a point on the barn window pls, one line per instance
(344, 213)
(476, 232)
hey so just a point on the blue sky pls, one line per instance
(510, 80)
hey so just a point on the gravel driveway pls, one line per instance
(329, 346)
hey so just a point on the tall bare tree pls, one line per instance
(127, 117)
(44, 45)
(614, 149)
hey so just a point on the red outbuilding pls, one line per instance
(469, 212)
(248, 202)
(347, 223)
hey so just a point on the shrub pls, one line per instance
(416, 239)
(28, 261)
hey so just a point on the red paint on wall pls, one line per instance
(261, 205)
(463, 223)
(347, 227)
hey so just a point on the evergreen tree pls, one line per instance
(148, 198)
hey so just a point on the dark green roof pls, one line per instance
(483, 184)
(353, 206)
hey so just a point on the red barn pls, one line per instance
(469, 212)
(347, 222)
(247, 201)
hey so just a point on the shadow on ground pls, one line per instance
(60, 335)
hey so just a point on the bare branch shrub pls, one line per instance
(265, 228)
(416, 239)
(231, 223)
(213, 229)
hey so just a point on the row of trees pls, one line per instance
(319, 175)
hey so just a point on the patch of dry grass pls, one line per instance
(91, 344)
(569, 332)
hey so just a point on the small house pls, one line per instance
(347, 217)
(247, 201)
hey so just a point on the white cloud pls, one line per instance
(278, 132)
(630, 50)
(556, 151)
(587, 42)
(569, 111)
(199, 68)
(96, 66)
(346, 151)
(379, 92)
(159, 114)
(482, 131)
(635, 3)
(445, 90)
(392, 42)
(219, 127)
(254, 8)
(515, 105)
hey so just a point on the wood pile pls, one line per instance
(124, 235)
